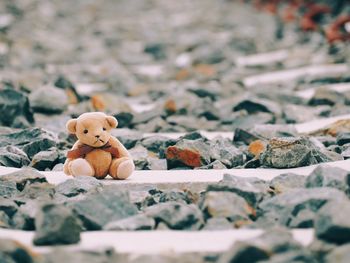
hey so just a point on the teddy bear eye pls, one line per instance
(104, 128)
(86, 131)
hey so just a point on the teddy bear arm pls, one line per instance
(123, 152)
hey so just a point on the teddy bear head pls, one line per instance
(92, 128)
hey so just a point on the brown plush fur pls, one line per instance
(93, 129)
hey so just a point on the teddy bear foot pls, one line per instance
(80, 167)
(122, 169)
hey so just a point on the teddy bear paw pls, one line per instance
(125, 169)
(80, 167)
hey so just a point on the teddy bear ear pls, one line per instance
(72, 126)
(113, 123)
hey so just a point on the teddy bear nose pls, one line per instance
(97, 136)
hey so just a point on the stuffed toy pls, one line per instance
(97, 153)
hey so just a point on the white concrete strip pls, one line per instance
(139, 108)
(90, 88)
(330, 70)
(209, 135)
(158, 242)
(190, 176)
(315, 125)
(309, 93)
(262, 59)
(302, 128)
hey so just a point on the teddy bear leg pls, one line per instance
(121, 168)
(65, 167)
(80, 167)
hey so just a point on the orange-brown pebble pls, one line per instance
(97, 103)
(170, 106)
(72, 98)
(256, 147)
(182, 74)
(206, 70)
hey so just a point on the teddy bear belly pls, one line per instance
(100, 160)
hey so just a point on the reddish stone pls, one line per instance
(189, 157)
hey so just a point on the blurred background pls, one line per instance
(168, 66)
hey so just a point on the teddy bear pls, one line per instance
(97, 153)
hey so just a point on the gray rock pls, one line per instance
(299, 256)
(156, 164)
(320, 248)
(325, 96)
(242, 135)
(78, 185)
(98, 209)
(213, 165)
(269, 131)
(208, 55)
(340, 254)
(56, 225)
(291, 152)
(7, 189)
(157, 124)
(194, 153)
(176, 215)
(298, 113)
(247, 188)
(343, 138)
(48, 100)
(23, 177)
(158, 144)
(261, 248)
(208, 110)
(253, 105)
(4, 221)
(45, 159)
(25, 217)
(203, 92)
(228, 205)
(16, 105)
(328, 176)
(222, 150)
(140, 156)
(191, 123)
(147, 116)
(8, 206)
(38, 191)
(64, 83)
(332, 223)
(31, 141)
(12, 251)
(286, 182)
(124, 119)
(195, 135)
(249, 121)
(157, 50)
(130, 139)
(173, 195)
(345, 151)
(217, 223)
(283, 208)
(132, 223)
(11, 156)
